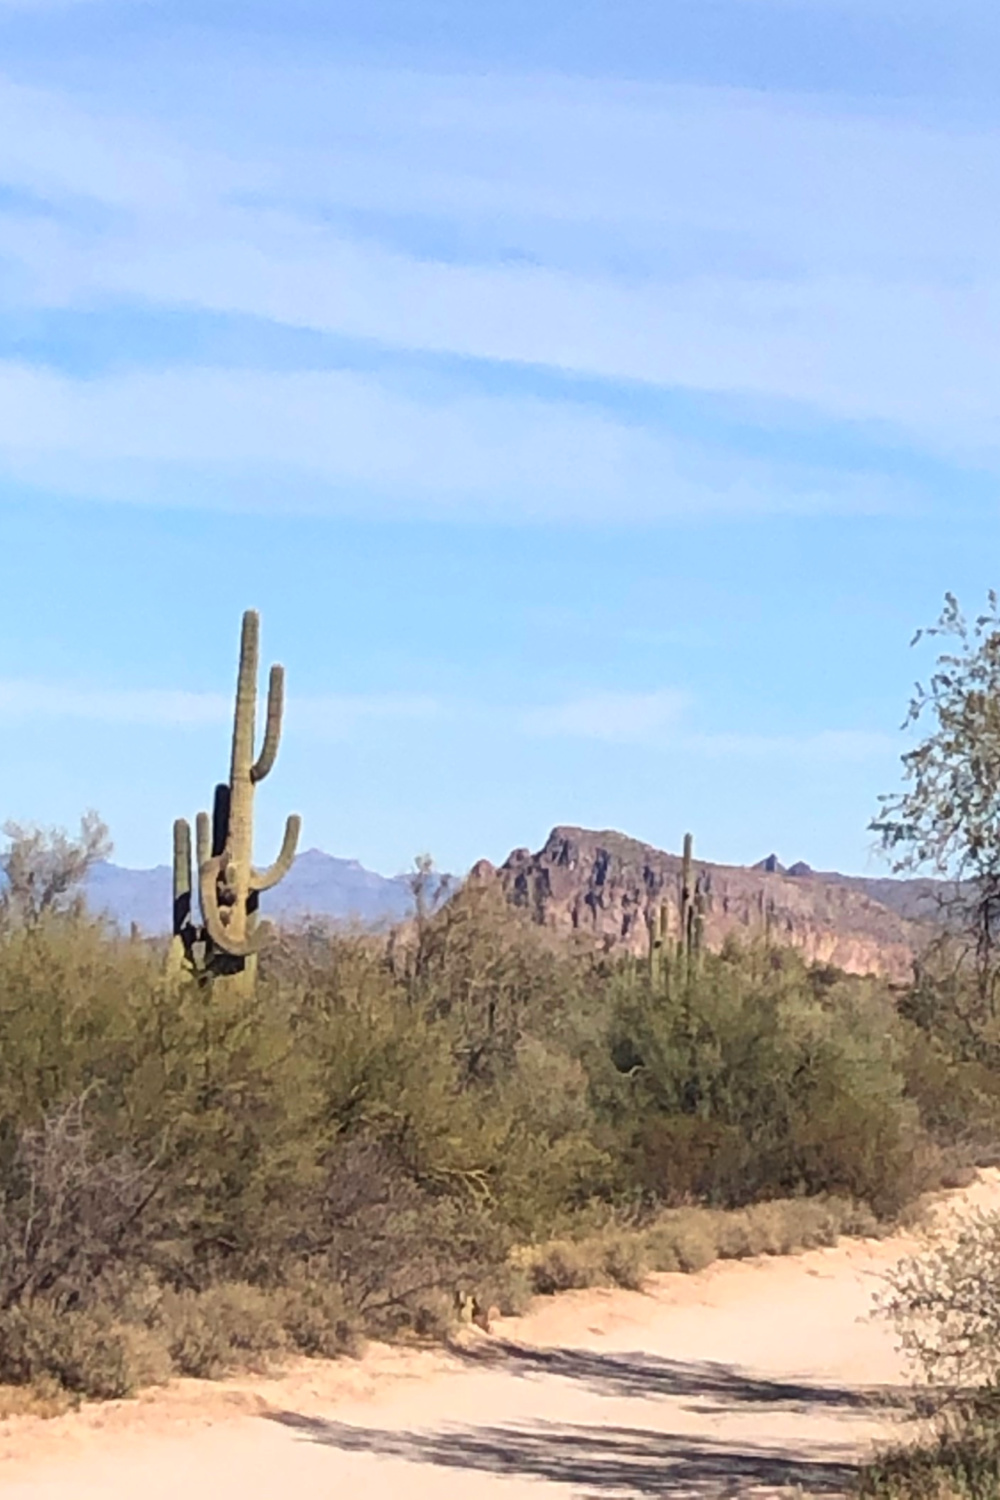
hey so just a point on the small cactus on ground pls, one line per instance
(228, 883)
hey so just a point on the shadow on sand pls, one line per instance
(644, 1376)
(630, 1462)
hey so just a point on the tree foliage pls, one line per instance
(947, 817)
(43, 869)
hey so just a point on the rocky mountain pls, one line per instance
(318, 885)
(919, 898)
(606, 886)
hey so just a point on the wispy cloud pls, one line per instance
(852, 745)
(340, 716)
(660, 720)
(340, 442)
(30, 7)
(157, 707)
(622, 718)
(670, 235)
(327, 716)
(655, 719)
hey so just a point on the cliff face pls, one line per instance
(607, 886)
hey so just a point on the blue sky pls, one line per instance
(593, 398)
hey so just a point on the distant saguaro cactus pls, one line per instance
(229, 885)
(658, 954)
(665, 962)
(688, 915)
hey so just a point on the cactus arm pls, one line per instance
(264, 880)
(203, 834)
(209, 869)
(182, 876)
(272, 731)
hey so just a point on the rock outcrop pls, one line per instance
(606, 887)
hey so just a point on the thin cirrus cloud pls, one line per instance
(331, 716)
(612, 716)
(654, 719)
(660, 719)
(340, 442)
(708, 238)
(827, 745)
(22, 700)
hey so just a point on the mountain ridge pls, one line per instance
(606, 886)
(600, 882)
(318, 885)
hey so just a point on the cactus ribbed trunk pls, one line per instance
(228, 884)
(235, 875)
(687, 898)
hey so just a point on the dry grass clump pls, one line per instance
(45, 1400)
(689, 1239)
(611, 1258)
(104, 1354)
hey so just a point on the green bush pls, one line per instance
(88, 1353)
(316, 1318)
(960, 1462)
(226, 1327)
(223, 1180)
(685, 1240)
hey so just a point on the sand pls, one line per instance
(749, 1379)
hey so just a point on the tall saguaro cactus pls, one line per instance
(687, 898)
(229, 884)
(665, 959)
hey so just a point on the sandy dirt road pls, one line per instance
(750, 1379)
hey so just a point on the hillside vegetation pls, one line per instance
(384, 1133)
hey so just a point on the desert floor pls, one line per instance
(749, 1379)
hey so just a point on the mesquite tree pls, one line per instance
(947, 817)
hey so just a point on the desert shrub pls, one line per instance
(558, 1266)
(945, 1303)
(360, 1142)
(395, 1244)
(68, 1213)
(616, 1256)
(960, 1461)
(745, 1083)
(228, 1326)
(688, 1240)
(43, 1398)
(86, 1352)
(316, 1318)
(623, 1258)
(684, 1240)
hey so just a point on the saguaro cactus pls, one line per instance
(658, 957)
(681, 958)
(687, 898)
(695, 896)
(229, 885)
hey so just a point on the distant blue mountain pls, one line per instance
(318, 885)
